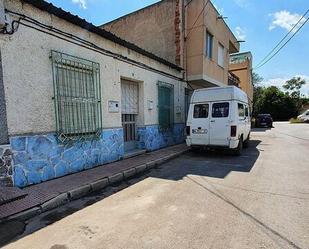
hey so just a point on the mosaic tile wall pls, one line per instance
(6, 166)
(39, 158)
(152, 138)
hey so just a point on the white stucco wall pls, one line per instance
(28, 82)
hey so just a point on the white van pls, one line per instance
(219, 118)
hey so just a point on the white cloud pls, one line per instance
(286, 20)
(240, 33)
(279, 82)
(81, 3)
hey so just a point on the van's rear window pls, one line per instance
(201, 111)
(220, 110)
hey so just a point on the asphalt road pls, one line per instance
(202, 200)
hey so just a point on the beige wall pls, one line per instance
(152, 28)
(28, 82)
(198, 65)
(161, 30)
(243, 71)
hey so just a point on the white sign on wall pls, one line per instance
(150, 104)
(113, 106)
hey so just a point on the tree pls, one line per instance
(294, 85)
(257, 90)
(256, 79)
(275, 102)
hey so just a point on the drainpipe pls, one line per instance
(4, 138)
(2, 15)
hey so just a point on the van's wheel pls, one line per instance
(238, 150)
(246, 142)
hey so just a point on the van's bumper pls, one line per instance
(233, 144)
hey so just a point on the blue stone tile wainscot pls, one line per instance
(39, 158)
(153, 138)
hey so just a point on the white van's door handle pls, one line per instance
(212, 121)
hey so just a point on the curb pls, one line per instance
(55, 202)
(97, 185)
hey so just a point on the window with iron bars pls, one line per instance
(77, 96)
(166, 105)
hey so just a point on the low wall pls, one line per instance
(39, 158)
(153, 138)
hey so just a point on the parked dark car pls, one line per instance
(264, 120)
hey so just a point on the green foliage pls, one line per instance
(293, 86)
(256, 79)
(275, 102)
(257, 91)
(281, 105)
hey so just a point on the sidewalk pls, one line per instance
(51, 194)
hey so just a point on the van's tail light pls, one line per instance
(188, 130)
(233, 130)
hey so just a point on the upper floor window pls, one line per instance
(209, 44)
(77, 96)
(220, 55)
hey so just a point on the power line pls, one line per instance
(72, 38)
(262, 63)
(283, 38)
(197, 17)
(284, 44)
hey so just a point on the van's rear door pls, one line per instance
(219, 123)
(200, 124)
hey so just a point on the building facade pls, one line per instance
(76, 96)
(189, 33)
(241, 66)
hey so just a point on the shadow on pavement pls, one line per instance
(216, 164)
(213, 164)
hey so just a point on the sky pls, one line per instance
(261, 23)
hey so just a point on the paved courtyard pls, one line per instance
(200, 200)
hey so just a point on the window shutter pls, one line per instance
(129, 97)
(165, 105)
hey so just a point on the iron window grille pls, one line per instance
(165, 105)
(77, 96)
